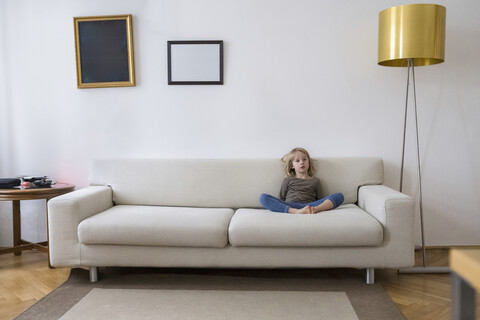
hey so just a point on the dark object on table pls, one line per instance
(29, 182)
(9, 183)
(32, 178)
(43, 182)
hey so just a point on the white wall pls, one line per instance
(297, 73)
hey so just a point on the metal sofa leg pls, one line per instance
(93, 274)
(370, 275)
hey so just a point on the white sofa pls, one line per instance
(206, 213)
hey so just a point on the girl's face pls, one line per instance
(300, 163)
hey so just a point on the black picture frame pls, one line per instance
(195, 62)
(104, 51)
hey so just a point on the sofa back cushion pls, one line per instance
(228, 183)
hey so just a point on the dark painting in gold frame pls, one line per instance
(104, 51)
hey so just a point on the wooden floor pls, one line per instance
(422, 296)
(26, 279)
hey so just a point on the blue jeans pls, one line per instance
(277, 205)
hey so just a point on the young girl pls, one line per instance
(300, 191)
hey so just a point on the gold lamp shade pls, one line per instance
(412, 31)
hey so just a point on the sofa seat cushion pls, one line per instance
(157, 226)
(346, 226)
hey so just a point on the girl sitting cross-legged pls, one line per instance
(300, 191)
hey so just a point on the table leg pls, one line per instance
(48, 235)
(17, 226)
(463, 299)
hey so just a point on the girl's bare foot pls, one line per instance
(305, 210)
(324, 206)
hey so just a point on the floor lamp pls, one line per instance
(410, 36)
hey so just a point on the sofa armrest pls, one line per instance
(65, 213)
(395, 211)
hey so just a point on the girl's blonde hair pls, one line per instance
(288, 162)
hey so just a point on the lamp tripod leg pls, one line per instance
(423, 269)
(405, 126)
(420, 197)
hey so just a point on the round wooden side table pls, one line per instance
(16, 195)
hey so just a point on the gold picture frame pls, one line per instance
(104, 51)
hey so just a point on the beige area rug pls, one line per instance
(123, 304)
(153, 293)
